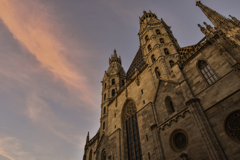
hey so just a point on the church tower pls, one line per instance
(229, 27)
(158, 45)
(114, 78)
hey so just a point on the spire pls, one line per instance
(209, 27)
(115, 58)
(87, 140)
(115, 53)
(235, 20)
(217, 19)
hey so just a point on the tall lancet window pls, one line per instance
(133, 139)
(113, 92)
(169, 105)
(207, 72)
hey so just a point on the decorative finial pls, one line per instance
(144, 12)
(115, 53)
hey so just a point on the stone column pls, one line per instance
(213, 147)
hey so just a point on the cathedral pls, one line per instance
(173, 103)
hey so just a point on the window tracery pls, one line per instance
(232, 125)
(133, 138)
(207, 72)
(103, 155)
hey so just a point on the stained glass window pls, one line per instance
(133, 139)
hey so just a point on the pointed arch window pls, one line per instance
(105, 85)
(158, 32)
(113, 92)
(103, 155)
(133, 138)
(158, 74)
(113, 81)
(161, 40)
(103, 125)
(123, 82)
(169, 105)
(90, 155)
(149, 47)
(104, 110)
(171, 62)
(153, 58)
(166, 51)
(146, 38)
(207, 72)
(104, 97)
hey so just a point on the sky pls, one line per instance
(53, 54)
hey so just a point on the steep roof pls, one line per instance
(137, 62)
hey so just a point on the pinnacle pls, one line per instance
(115, 53)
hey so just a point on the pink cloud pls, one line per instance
(11, 149)
(32, 24)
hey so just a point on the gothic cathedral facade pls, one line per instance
(173, 103)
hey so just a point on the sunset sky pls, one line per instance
(53, 54)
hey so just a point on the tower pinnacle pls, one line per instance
(217, 19)
(115, 58)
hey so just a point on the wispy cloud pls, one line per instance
(32, 24)
(40, 112)
(10, 148)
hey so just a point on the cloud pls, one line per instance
(33, 25)
(40, 113)
(10, 148)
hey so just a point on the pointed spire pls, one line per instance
(87, 140)
(144, 12)
(213, 16)
(115, 53)
(209, 27)
(235, 19)
(204, 30)
(114, 58)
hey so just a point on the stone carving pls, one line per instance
(232, 125)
